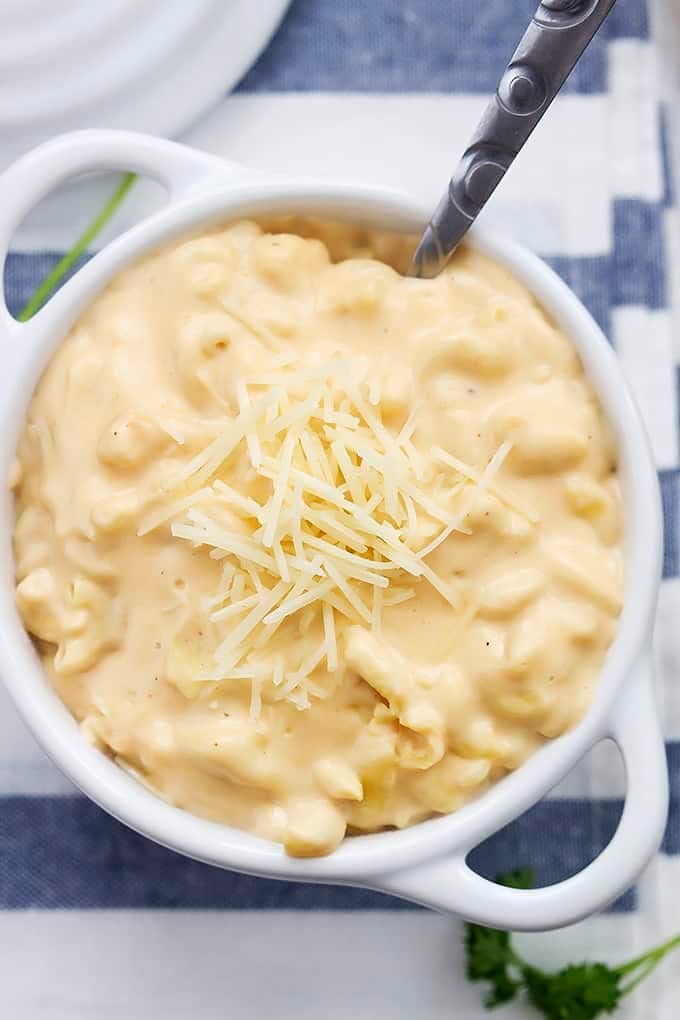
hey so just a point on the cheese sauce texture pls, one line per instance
(310, 547)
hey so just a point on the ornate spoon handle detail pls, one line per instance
(558, 34)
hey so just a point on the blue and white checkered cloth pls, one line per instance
(95, 920)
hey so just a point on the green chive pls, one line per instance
(52, 280)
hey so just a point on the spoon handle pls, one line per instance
(558, 34)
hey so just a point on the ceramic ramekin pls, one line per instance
(425, 863)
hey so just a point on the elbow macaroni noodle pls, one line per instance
(388, 693)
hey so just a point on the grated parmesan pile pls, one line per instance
(351, 518)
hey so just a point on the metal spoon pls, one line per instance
(558, 34)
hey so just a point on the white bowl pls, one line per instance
(145, 65)
(425, 863)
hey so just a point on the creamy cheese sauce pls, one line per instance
(431, 698)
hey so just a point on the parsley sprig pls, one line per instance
(582, 991)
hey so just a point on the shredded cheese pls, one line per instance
(337, 535)
(509, 498)
(483, 482)
(252, 441)
(331, 640)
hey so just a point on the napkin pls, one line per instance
(95, 917)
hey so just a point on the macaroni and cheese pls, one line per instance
(311, 547)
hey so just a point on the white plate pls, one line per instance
(145, 65)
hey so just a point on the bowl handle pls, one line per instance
(180, 169)
(449, 884)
